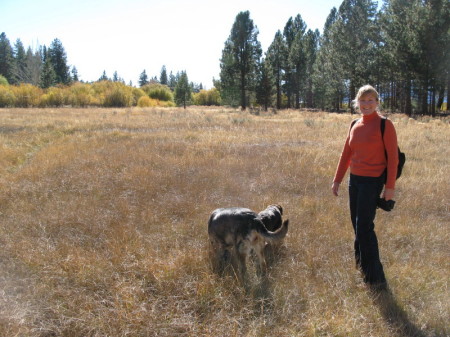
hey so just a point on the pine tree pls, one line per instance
(265, 88)
(310, 50)
(353, 43)
(143, 78)
(402, 48)
(103, 77)
(183, 91)
(74, 74)
(58, 58)
(328, 74)
(6, 59)
(172, 81)
(21, 73)
(48, 75)
(116, 77)
(240, 59)
(163, 78)
(295, 68)
(277, 58)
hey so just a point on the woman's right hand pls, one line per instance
(335, 188)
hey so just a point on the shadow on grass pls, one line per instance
(394, 314)
(262, 291)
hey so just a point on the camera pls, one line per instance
(386, 205)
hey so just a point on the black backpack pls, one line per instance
(401, 155)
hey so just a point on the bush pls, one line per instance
(80, 95)
(3, 80)
(118, 96)
(137, 94)
(145, 102)
(112, 94)
(53, 97)
(7, 97)
(158, 91)
(207, 97)
(27, 95)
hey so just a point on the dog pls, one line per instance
(272, 217)
(234, 233)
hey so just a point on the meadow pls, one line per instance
(103, 225)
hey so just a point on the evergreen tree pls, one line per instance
(103, 77)
(402, 48)
(58, 58)
(265, 88)
(115, 77)
(163, 78)
(297, 58)
(277, 58)
(434, 37)
(240, 58)
(21, 73)
(75, 74)
(48, 75)
(172, 81)
(353, 43)
(6, 59)
(293, 35)
(328, 74)
(182, 94)
(311, 48)
(143, 78)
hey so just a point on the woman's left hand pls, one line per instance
(389, 193)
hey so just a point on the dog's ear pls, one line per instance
(280, 209)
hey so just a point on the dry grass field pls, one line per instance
(103, 225)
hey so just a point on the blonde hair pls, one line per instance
(365, 89)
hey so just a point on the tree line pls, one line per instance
(47, 68)
(402, 49)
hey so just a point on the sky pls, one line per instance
(129, 36)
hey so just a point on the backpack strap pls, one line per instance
(354, 122)
(382, 126)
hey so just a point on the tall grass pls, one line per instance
(103, 225)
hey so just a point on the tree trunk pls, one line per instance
(243, 100)
(408, 105)
(448, 91)
(352, 96)
(278, 91)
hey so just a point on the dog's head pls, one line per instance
(275, 208)
(272, 217)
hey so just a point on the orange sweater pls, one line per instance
(364, 150)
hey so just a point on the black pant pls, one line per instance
(364, 192)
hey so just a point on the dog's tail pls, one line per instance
(277, 235)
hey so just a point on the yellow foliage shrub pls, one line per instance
(137, 94)
(54, 96)
(27, 95)
(207, 97)
(81, 95)
(158, 91)
(7, 97)
(145, 102)
(113, 94)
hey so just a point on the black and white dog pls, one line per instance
(235, 232)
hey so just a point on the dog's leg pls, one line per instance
(220, 256)
(242, 252)
(259, 246)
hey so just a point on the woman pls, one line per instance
(364, 152)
